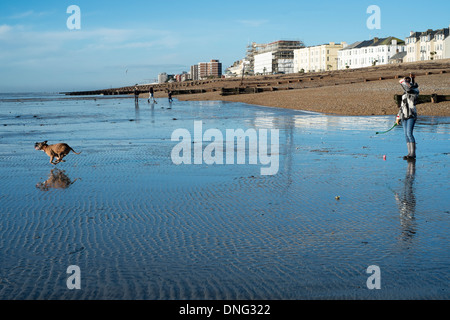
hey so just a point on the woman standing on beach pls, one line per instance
(407, 114)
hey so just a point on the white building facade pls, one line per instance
(413, 47)
(267, 63)
(264, 63)
(317, 58)
(275, 57)
(162, 77)
(368, 53)
(442, 46)
(236, 69)
(428, 45)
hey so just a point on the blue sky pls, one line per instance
(126, 42)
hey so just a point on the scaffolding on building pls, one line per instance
(252, 50)
(283, 54)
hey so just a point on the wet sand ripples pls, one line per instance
(140, 227)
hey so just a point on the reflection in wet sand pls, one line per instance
(406, 202)
(57, 180)
(137, 115)
(152, 111)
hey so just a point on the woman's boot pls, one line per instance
(411, 151)
(412, 154)
(408, 144)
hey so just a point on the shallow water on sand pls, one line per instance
(140, 227)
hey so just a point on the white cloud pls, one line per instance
(27, 14)
(253, 23)
(4, 30)
(22, 15)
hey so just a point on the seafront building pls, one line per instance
(274, 57)
(184, 76)
(249, 61)
(428, 45)
(413, 47)
(204, 70)
(194, 72)
(288, 56)
(247, 65)
(318, 58)
(214, 69)
(162, 77)
(266, 58)
(368, 53)
(236, 69)
(399, 57)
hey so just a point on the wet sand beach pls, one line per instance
(141, 227)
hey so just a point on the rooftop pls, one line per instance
(374, 43)
(398, 55)
(418, 34)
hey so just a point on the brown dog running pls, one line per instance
(59, 150)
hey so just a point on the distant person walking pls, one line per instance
(136, 94)
(407, 114)
(151, 96)
(169, 94)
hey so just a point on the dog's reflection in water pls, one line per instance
(57, 180)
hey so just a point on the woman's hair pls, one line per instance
(408, 79)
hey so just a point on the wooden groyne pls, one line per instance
(424, 98)
(258, 84)
(249, 90)
(176, 88)
(105, 92)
